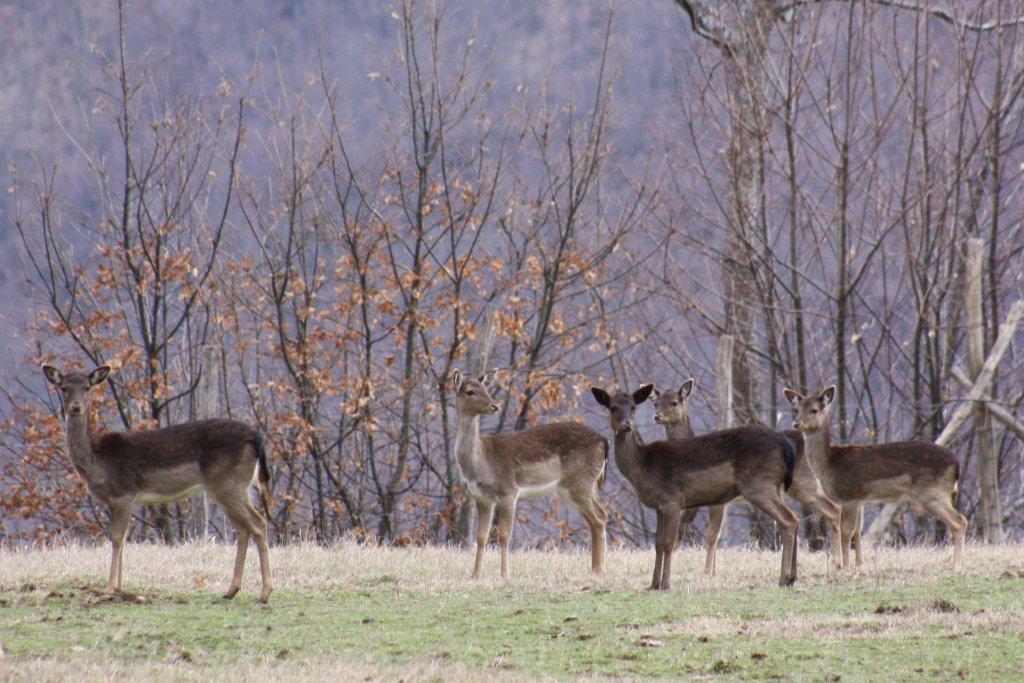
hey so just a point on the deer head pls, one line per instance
(74, 387)
(473, 395)
(810, 413)
(670, 406)
(622, 406)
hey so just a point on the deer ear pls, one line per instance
(642, 394)
(457, 379)
(601, 396)
(98, 375)
(687, 388)
(51, 373)
(793, 397)
(828, 395)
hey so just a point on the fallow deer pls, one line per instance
(125, 469)
(671, 476)
(566, 458)
(671, 411)
(919, 471)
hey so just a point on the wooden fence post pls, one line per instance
(991, 517)
(723, 382)
(207, 406)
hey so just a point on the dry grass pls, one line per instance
(441, 569)
(553, 619)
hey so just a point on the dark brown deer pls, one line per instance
(566, 458)
(672, 412)
(671, 476)
(125, 469)
(919, 471)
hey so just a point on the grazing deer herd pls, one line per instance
(674, 477)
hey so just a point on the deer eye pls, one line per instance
(470, 393)
(675, 403)
(814, 411)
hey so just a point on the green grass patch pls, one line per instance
(961, 627)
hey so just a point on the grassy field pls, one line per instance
(351, 612)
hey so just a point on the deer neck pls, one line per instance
(80, 449)
(679, 430)
(468, 448)
(817, 445)
(628, 454)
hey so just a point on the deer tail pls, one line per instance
(789, 457)
(604, 468)
(956, 484)
(263, 469)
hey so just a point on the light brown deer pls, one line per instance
(566, 458)
(671, 476)
(672, 412)
(919, 471)
(125, 469)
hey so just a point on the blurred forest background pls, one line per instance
(324, 203)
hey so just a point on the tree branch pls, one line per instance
(707, 24)
(787, 10)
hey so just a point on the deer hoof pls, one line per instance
(231, 593)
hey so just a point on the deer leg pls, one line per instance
(847, 524)
(774, 505)
(659, 556)
(240, 551)
(598, 536)
(688, 515)
(506, 520)
(716, 518)
(120, 516)
(590, 508)
(942, 509)
(668, 543)
(855, 537)
(484, 512)
(819, 504)
(259, 531)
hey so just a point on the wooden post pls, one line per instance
(723, 382)
(476, 365)
(207, 406)
(991, 516)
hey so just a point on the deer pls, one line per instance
(712, 469)
(918, 471)
(672, 412)
(500, 469)
(126, 469)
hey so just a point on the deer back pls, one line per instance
(544, 454)
(715, 468)
(173, 458)
(888, 471)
